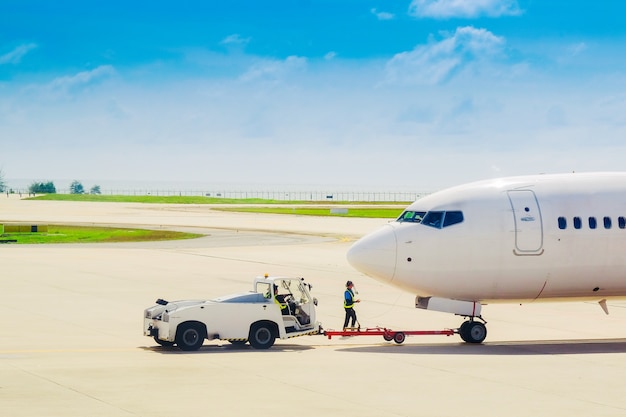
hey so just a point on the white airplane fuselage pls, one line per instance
(516, 239)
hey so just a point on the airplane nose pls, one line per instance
(375, 254)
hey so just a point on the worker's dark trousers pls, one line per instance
(350, 314)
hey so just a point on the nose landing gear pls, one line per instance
(473, 331)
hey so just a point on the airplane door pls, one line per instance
(528, 222)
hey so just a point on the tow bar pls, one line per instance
(397, 336)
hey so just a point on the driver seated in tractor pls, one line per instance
(282, 302)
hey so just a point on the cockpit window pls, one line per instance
(412, 216)
(433, 219)
(452, 217)
(439, 219)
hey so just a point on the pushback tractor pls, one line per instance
(275, 308)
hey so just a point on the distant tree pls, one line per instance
(76, 188)
(3, 185)
(42, 188)
(95, 190)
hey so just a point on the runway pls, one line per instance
(72, 344)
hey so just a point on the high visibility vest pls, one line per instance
(348, 298)
(281, 305)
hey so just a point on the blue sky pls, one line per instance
(392, 94)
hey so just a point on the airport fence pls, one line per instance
(316, 196)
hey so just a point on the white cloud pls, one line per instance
(382, 15)
(434, 62)
(274, 69)
(235, 39)
(330, 55)
(82, 78)
(16, 55)
(445, 9)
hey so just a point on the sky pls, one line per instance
(387, 94)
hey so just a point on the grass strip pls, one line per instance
(84, 234)
(381, 213)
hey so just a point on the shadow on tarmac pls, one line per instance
(224, 348)
(514, 348)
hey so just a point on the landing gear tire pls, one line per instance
(399, 337)
(190, 336)
(261, 336)
(473, 332)
(463, 330)
(388, 337)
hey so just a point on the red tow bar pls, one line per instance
(397, 336)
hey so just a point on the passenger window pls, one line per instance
(562, 223)
(452, 217)
(577, 223)
(607, 222)
(592, 222)
(621, 221)
(433, 219)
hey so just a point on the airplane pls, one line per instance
(549, 237)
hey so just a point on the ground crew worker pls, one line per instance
(280, 300)
(348, 305)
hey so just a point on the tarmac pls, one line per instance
(72, 343)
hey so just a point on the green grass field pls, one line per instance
(304, 208)
(79, 234)
(382, 213)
